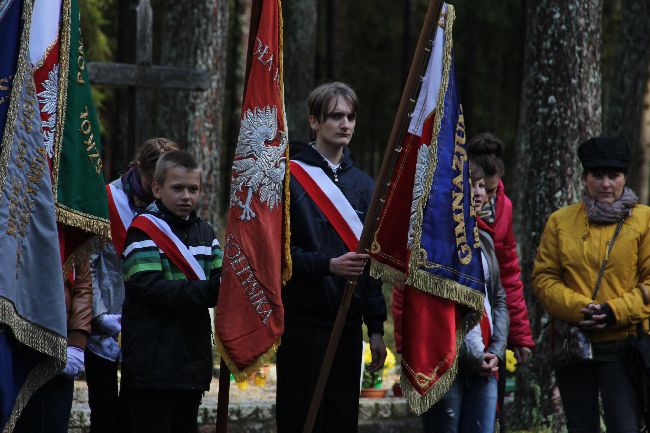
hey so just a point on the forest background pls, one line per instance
(544, 75)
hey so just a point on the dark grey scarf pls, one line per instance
(603, 213)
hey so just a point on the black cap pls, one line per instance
(604, 152)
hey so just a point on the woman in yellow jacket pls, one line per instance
(572, 249)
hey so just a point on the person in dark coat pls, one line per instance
(322, 262)
(166, 330)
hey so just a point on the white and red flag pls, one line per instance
(427, 237)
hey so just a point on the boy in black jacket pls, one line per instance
(172, 267)
(323, 259)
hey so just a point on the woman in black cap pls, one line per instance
(592, 270)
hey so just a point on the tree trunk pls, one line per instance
(299, 63)
(194, 34)
(240, 18)
(624, 105)
(643, 153)
(560, 107)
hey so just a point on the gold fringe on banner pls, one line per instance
(23, 72)
(83, 221)
(36, 378)
(31, 335)
(433, 148)
(62, 97)
(242, 375)
(386, 273)
(447, 289)
(82, 252)
(421, 403)
(287, 264)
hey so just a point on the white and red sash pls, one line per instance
(163, 236)
(120, 216)
(330, 200)
(486, 323)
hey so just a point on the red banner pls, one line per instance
(249, 317)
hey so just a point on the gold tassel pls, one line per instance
(419, 404)
(242, 375)
(81, 253)
(83, 221)
(386, 273)
(448, 289)
(287, 264)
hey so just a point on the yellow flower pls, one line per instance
(367, 355)
(389, 364)
(511, 361)
(390, 360)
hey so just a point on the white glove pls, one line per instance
(110, 324)
(75, 362)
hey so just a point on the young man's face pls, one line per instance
(338, 126)
(180, 191)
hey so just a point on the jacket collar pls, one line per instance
(309, 155)
(158, 209)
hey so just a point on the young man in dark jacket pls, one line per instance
(172, 267)
(323, 260)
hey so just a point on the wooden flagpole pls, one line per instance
(393, 148)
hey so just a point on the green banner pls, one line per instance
(79, 186)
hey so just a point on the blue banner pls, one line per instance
(10, 26)
(32, 303)
(449, 230)
(446, 259)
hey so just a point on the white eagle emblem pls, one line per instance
(258, 166)
(418, 189)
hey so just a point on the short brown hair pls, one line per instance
(173, 159)
(150, 151)
(320, 98)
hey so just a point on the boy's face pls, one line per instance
(180, 191)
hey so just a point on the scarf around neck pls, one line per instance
(138, 197)
(603, 213)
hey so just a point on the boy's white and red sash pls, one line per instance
(330, 200)
(163, 236)
(120, 216)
